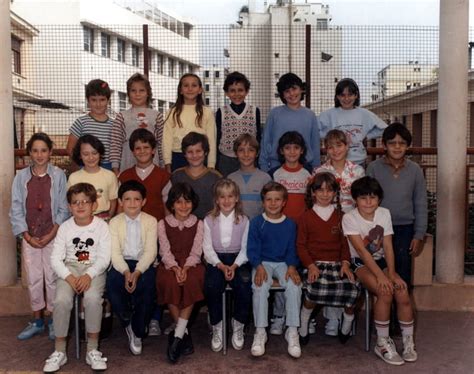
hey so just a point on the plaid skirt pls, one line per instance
(330, 289)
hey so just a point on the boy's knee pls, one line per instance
(92, 298)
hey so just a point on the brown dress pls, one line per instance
(168, 289)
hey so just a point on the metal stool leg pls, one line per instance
(76, 327)
(224, 322)
(367, 320)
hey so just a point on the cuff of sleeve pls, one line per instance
(92, 273)
(419, 235)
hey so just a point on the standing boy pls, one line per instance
(272, 253)
(249, 179)
(131, 281)
(405, 196)
(233, 120)
(291, 116)
(80, 258)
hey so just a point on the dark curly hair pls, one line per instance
(87, 139)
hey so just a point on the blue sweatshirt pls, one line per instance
(272, 241)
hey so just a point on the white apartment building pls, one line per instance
(397, 78)
(80, 40)
(266, 45)
(213, 78)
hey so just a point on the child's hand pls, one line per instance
(385, 285)
(398, 283)
(184, 273)
(177, 273)
(313, 273)
(131, 285)
(83, 283)
(222, 268)
(71, 279)
(35, 242)
(293, 274)
(229, 275)
(416, 246)
(346, 270)
(260, 275)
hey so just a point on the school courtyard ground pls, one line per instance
(445, 345)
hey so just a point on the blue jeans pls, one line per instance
(292, 294)
(214, 286)
(402, 237)
(137, 307)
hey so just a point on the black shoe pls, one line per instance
(187, 346)
(343, 338)
(174, 348)
(304, 340)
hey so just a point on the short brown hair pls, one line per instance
(246, 138)
(336, 136)
(85, 188)
(137, 77)
(274, 186)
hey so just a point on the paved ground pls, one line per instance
(445, 344)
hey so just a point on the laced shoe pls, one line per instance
(294, 349)
(216, 342)
(95, 360)
(409, 354)
(154, 328)
(258, 345)
(386, 350)
(277, 326)
(134, 343)
(237, 335)
(54, 362)
(30, 330)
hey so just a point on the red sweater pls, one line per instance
(320, 240)
(154, 184)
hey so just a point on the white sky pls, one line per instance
(344, 12)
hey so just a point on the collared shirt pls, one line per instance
(226, 227)
(323, 212)
(395, 168)
(144, 173)
(133, 242)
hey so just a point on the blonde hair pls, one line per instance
(219, 187)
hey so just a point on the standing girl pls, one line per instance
(323, 250)
(225, 250)
(87, 152)
(38, 207)
(357, 123)
(140, 115)
(188, 114)
(180, 275)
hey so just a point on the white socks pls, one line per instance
(180, 328)
(305, 316)
(347, 323)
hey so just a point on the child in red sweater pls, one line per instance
(323, 250)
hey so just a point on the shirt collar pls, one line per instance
(130, 220)
(230, 217)
(173, 222)
(395, 168)
(272, 220)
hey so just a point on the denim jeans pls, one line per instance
(402, 237)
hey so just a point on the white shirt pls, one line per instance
(133, 249)
(226, 226)
(323, 212)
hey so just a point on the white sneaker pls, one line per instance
(95, 360)
(293, 339)
(216, 342)
(54, 362)
(134, 343)
(409, 354)
(386, 350)
(237, 335)
(258, 345)
(332, 327)
(154, 328)
(278, 324)
(312, 326)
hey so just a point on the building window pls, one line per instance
(160, 62)
(88, 39)
(171, 67)
(207, 101)
(135, 55)
(206, 73)
(206, 88)
(161, 106)
(121, 50)
(216, 74)
(182, 69)
(16, 55)
(190, 69)
(122, 101)
(104, 44)
(321, 24)
(277, 55)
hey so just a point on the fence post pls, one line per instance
(7, 242)
(308, 66)
(146, 52)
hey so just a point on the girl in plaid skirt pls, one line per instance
(323, 250)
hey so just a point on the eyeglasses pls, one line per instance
(80, 202)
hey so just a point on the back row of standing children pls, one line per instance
(290, 147)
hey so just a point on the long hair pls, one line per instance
(317, 182)
(178, 106)
(219, 187)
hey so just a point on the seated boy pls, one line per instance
(249, 179)
(131, 280)
(80, 258)
(155, 179)
(271, 252)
